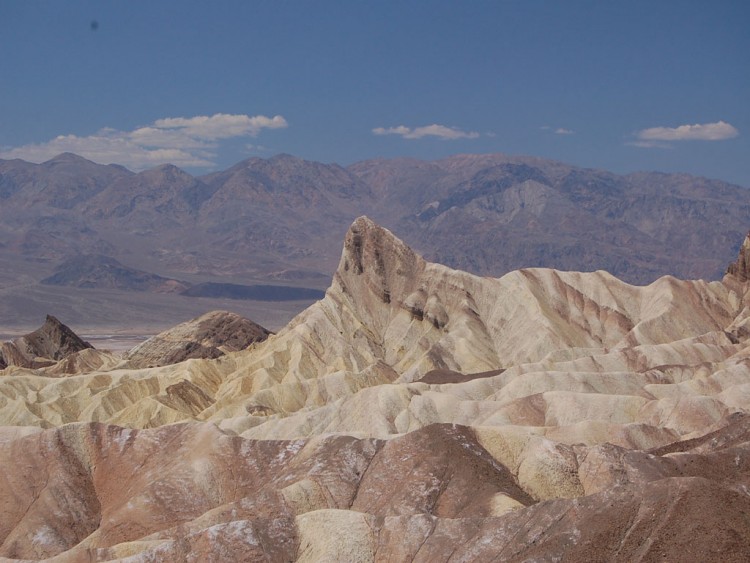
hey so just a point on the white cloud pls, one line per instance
(186, 142)
(440, 131)
(557, 130)
(221, 125)
(718, 131)
(650, 144)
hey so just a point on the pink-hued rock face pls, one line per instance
(416, 413)
(192, 491)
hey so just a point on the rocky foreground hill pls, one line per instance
(414, 413)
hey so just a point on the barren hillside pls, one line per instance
(414, 413)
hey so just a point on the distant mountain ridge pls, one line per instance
(263, 220)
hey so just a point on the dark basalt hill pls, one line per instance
(53, 340)
(97, 271)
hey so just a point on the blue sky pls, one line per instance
(624, 86)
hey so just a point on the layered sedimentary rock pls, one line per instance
(209, 336)
(740, 268)
(50, 343)
(414, 413)
(192, 492)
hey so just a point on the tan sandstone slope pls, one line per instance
(415, 413)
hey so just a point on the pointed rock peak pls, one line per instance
(67, 157)
(52, 340)
(164, 168)
(53, 322)
(375, 256)
(740, 268)
(367, 244)
(285, 157)
(166, 171)
(249, 161)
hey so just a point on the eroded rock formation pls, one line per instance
(740, 269)
(208, 336)
(50, 343)
(414, 413)
(186, 491)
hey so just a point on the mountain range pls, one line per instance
(415, 413)
(279, 220)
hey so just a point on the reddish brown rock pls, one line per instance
(442, 376)
(97, 492)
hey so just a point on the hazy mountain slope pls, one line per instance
(283, 217)
(90, 271)
(60, 183)
(165, 194)
(39, 206)
(491, 214)
(262, 218)
(288, 208)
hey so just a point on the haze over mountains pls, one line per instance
(416, 412)
(280, 220)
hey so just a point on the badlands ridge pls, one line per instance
(414, 413)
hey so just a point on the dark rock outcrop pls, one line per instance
(50, 343)
(208, 336)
